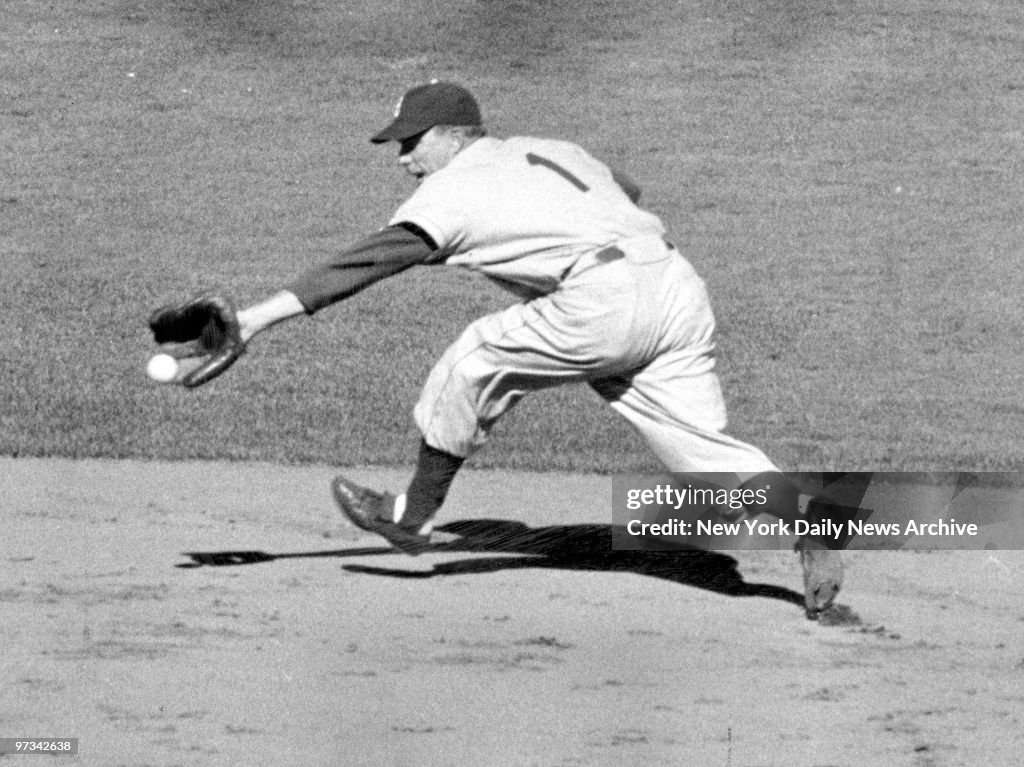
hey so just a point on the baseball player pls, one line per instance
(606, 300)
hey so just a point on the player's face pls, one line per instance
(428, 152)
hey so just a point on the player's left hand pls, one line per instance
(205, 327)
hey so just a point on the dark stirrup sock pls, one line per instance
(435, 470)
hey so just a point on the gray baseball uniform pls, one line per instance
(607, 301)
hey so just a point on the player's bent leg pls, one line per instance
(459, 402)
(502, 357)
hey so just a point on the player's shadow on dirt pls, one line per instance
(558, 547)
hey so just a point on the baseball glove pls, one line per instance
(205, 327)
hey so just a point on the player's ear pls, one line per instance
(459, 135)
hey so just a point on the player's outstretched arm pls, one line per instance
(209, 328)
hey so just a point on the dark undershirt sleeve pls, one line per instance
(383, 254)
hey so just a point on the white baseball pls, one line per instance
(162, 368)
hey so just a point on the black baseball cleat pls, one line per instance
(374, 512)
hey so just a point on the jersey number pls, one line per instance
(536, 159)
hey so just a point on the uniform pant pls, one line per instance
(634, 322)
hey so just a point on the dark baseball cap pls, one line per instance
(423, 107)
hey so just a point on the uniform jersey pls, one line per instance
(523, 210)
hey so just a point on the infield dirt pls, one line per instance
(221, 614)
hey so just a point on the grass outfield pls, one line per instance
(845, 175)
